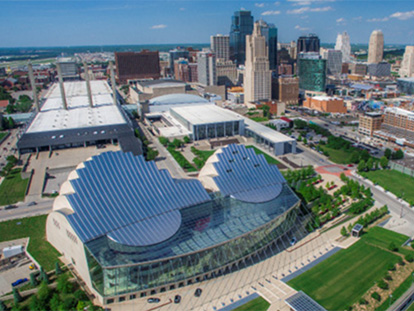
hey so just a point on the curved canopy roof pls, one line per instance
(177, 99)
(129, 200)
(247, 176)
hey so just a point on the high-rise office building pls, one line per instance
(226, 73)
(220, 45)
(177, 54)
(407, 65)
(206, 67)
(258, 76)
(133, 65)
(333, 61)
(241, 26)
(311, 72)
(376, 47)
(343, 44)
(184, 71)
(309, 43)
(269, 31)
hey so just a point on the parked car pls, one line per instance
(177, 299)
(10, 206)
(293, 241)
(350, 165)
(33, 203)
(198, 292)
(19, 281)
(153, 300)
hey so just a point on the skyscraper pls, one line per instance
(133, 65)
(333, 61)
(220, 45)
(241, 26)
(343, 44)
(311, 72)
(309, 43)
(407, 65)
(257, 76)
(177, 54)
(376, 47)
(269, 31)
(206, 67)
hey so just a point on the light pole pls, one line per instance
(390, 301)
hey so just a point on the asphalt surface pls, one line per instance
(24, 210)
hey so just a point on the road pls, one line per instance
(23, 210)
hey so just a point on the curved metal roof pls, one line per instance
(177, 99)
(247, 176)
(129, 200)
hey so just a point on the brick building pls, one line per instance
(133, 65)
(325, 104)
(369, 122)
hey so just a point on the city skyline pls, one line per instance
(74, 23)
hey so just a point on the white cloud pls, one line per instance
(373, 20)
(182, 9)
(265, 13)
(160, 26)
(403, 15)
(259, 5)
(301, 28)
(308, 9)
(277, 3)
(308, 2)
(341, 20)
(358, 18)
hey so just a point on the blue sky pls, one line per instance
(101, 22)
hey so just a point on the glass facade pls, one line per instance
(312, 74)
(241, 26)
(213, 236)
(406, 85)
(214, 130)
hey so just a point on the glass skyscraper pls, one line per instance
(269, 31)
(241, 26)
(312, 72)
(309, 43)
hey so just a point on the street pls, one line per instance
(23, 210)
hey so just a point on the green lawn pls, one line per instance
(35, 228)
(396, 294)
(269, 159)
(257, 304)
(337, 156)
(201, 156)
(259, 119)
(181, 160)
(343, 278)
(13, 188)
(2, 135)
(394, 181)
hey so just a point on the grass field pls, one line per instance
(13, 188)
(2, 135)
(396, 294)
(269, 159)
(35, 228)
(338, 156)
(201, 156)
(257, 304)
(259, 119)
(349, 273)
(396, 182)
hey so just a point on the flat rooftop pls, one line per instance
(53, 116)
(205, 114)
(266, 132)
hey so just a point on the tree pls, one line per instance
(186, 139)
(43, 275)
(370, 164)
(11, 123)
(376, 296)
(58, 269)
(300, 137)
(305, 141)
(80, 295)
(398, 155)
(361, 166)
(384, 162)
(68, 304)
(392, 247)
(44, 292)
(16, 296)
(63, 284)
(54, 302)
(354, 157)
(36, 304)
(2, 306)
(376, 165)
(343, 231)
(388, 153)
(33, 278)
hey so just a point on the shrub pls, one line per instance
(409, 258)
(80, 295)
(163, 140)
(343, 231)
(362, 301)
(391, 267)
(388, 277)
(382, 284)
(392, 247)
(376, 296)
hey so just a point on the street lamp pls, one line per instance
(390, 301)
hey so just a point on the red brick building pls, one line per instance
(137, 65)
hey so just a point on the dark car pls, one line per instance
(153, 300)
(33, 203)
(10, 206)
(19, 281)
(177, 299)
(197, 292)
